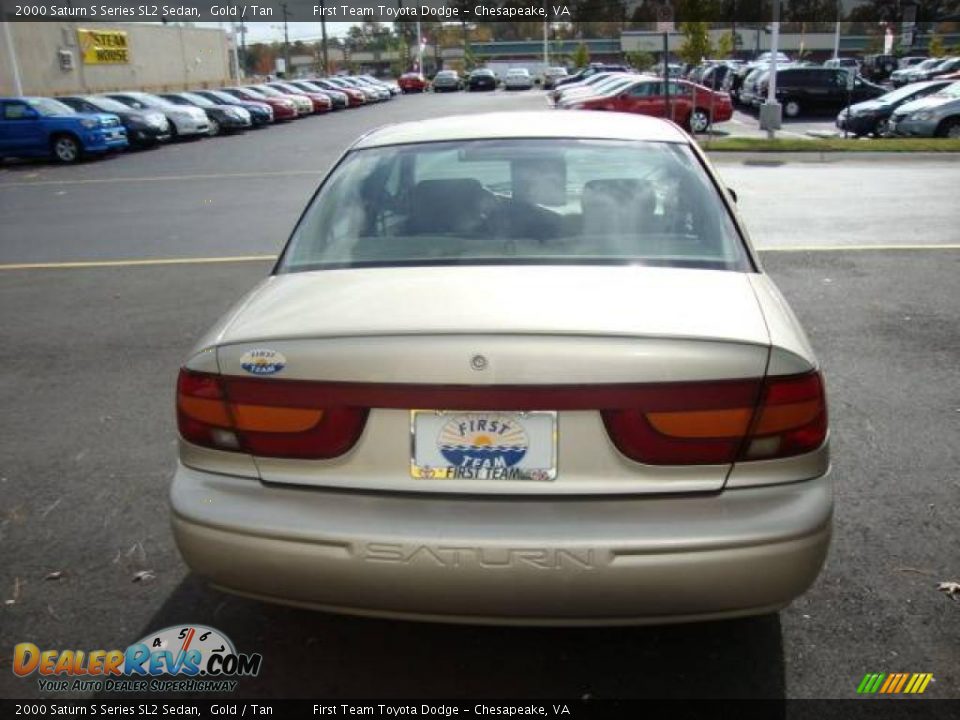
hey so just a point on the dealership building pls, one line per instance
(58, 58)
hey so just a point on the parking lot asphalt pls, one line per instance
(87, 434)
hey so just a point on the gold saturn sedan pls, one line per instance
(510, 368)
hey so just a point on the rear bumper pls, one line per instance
(506, 560)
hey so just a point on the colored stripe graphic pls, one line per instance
(894, 683)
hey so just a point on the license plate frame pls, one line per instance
(441, 448)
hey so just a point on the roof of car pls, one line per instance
(537, 124)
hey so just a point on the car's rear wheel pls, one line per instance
(214, 129)
(881, 128)
(791, 108)
(949, 128)
(66, 149)
(699, 120)
(174, 133)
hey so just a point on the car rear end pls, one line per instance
(484, 441)
(445, 82)
(718, 104)
(412, 82)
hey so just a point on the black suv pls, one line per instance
(810, 90)
(878, 67)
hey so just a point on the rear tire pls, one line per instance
(66, 149)
(881, 128)
(699, 121)
(791, 108)
(214, 129)
(949, 128)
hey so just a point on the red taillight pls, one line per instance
(690, 423)
(719, 423)
(263, 419)
(791, 419)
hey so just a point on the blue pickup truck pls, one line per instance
(41, 127)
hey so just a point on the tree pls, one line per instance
(725, 45)
(696, 42)
(640, 59)
(936, 47)
(581, 56)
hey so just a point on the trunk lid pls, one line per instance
(703, 305)
(532, 326)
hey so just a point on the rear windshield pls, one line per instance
(520, 201)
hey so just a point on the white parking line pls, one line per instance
(146, 262)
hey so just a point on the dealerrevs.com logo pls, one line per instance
(183, 658)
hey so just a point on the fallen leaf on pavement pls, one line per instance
(143, 576)
(952, 589)
(55, 575)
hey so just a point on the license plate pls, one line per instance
(451, 445)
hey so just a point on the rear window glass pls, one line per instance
(517, 202)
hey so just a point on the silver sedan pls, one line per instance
(510, 368)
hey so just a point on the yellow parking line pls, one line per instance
(138, 263)
(146, 262)
(160, 178)
(858, 248)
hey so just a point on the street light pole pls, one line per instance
(419, 49)
(234, 54)
(286, 41)
(546, 55)
(772, 84)
(836, 34)
(323, 33)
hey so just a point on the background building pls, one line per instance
(77, 57)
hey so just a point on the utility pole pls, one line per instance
(323, 41)
(12, 53)
(286, 40)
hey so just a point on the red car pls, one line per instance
(321, 103)
(692, 106)
(412, 82)
(282, 109)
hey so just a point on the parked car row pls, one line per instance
(873, 117)
(480, 79)
(69, 127)
(929, 69)
(694, 107)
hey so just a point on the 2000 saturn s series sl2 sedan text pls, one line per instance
(510, 368)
